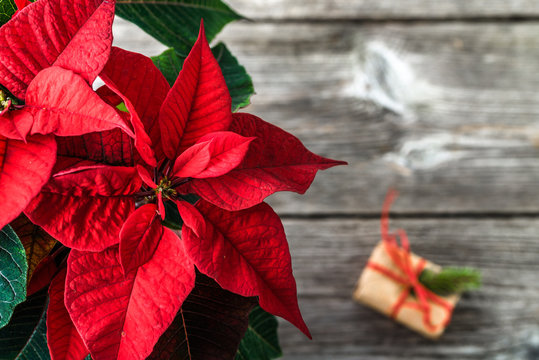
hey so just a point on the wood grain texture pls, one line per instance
(500, 321)
(383, 9)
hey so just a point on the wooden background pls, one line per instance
(436, 98)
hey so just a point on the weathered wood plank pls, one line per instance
(500, 321)
(447, 113)
(383, 9)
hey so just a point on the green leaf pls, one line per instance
(169, 64)
(25, 338)
(172, 216)
(261, 341)
(7, 9)
(176, 23)
(13, 270)
(121, 106)
(451, 280)
(239, 83)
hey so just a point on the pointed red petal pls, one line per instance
(101, 197)
(276, 161)
(62, 103)
(24, 169)
(225, 149)
(161, 205)
(191, 217)
(139, 237)
(143, 143)
(63, 338)
(21, 4)
(146, 177)
(246, 252)
(123, 317)
(37, 36)
(193, 161)
(136, 77)
(197, 104)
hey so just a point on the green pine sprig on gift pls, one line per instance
(451, 280)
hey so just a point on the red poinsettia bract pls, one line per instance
(47, 70)
(129, 274)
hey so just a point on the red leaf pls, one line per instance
(143, 143)
(191, 217)
(22, 3)
(60, 102)
(24, 169)
(123, 317)
(39, 35)
(113, 147)
(197, 104)
(246, 252)
(100, 197)
(276, 161)
(215, 154)
(210, 325)
(63, 338)
(42, 276)
(193, 161)
(137, 79)
(89, 49)
(146, 177)
(139, 237)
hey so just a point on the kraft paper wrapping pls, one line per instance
(380, 292)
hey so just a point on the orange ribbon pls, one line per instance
(401, 257)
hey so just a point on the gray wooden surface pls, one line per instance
(436, 98)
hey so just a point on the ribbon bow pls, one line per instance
(401, 257)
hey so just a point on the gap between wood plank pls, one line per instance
(412, 215)
(415, 20)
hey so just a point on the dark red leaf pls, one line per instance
(209, 326)
(215, 154)
(73, 34)
(276, 161)
(85, 210)
(43, 274)
(246, 252)
(136, 77)
(139, 237)
(60, 102)
(122, 317)
(113, 147)
(37, 243)
(24, 169)
(197, 104)
(63, 338)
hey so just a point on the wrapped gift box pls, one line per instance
(385, 287)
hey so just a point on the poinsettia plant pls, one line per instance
(134, 219)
